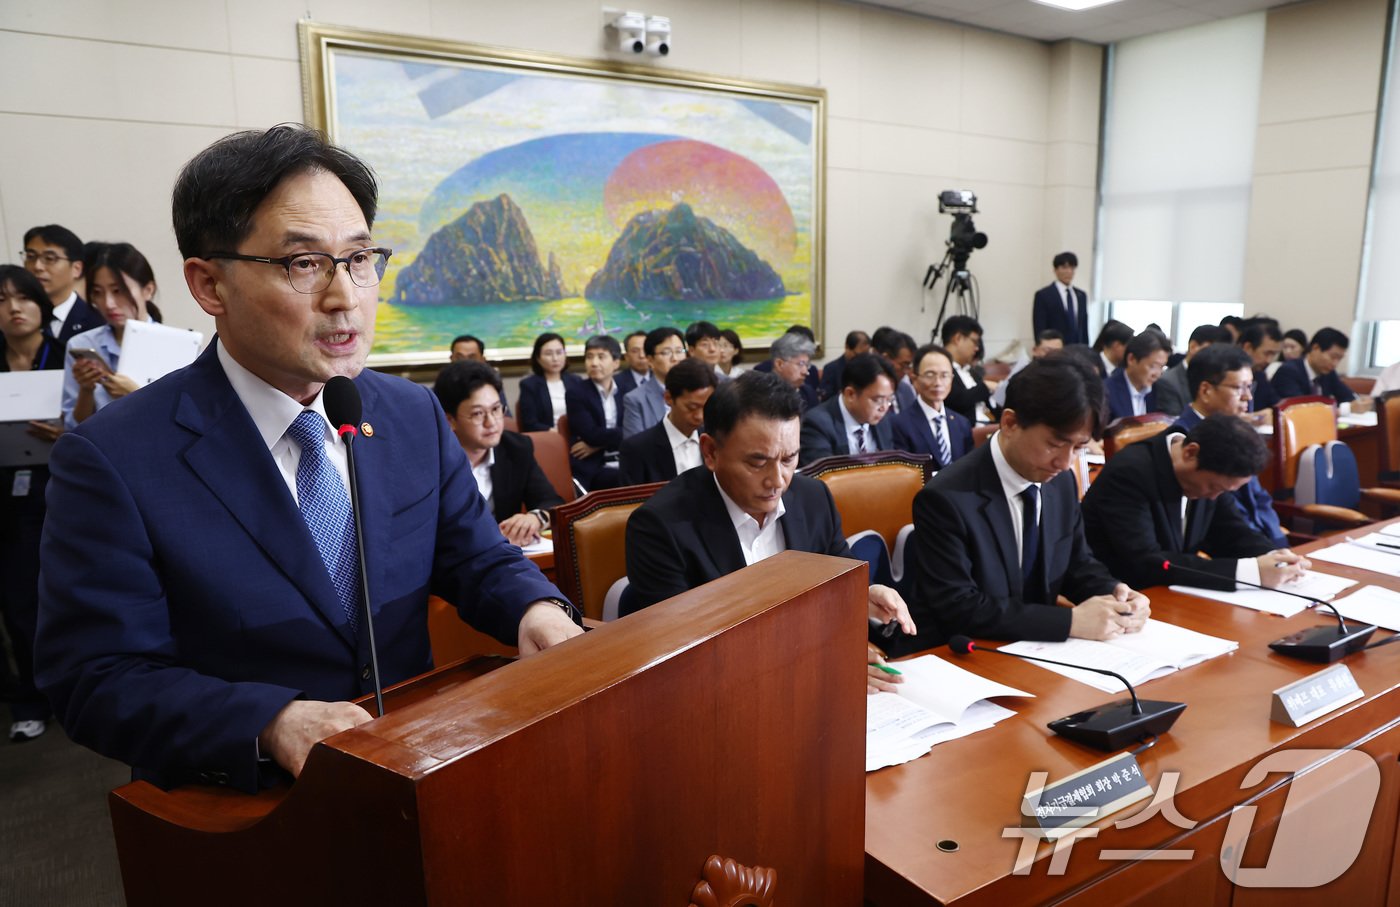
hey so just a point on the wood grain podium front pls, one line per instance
(966, 793)
(727, 722)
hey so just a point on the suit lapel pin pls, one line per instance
(367, 430)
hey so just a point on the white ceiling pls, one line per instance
(1101, 25)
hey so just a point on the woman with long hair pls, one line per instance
(541, 400)
(25, 338)
(121, 286)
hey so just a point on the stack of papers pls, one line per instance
(1371, 605)
(1375, 551)
(1158, 649)
(937, 701)
(1321, 586)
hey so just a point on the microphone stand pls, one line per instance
(347, 434)
(1318, 644)
(1108, 727)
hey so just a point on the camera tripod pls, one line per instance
(960, 287)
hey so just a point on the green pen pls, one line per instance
(887, 669)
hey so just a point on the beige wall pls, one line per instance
(1312, 165)
(105, 99)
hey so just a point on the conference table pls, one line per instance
(943, 829)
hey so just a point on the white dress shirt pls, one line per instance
(969, 380)
(609, 404)
(757, 542)
(556, 400)
(273, 412)
(685, 450)
(60, 313)
(1139, 398)
(852, 444)
(938, 422)
(1012, 484)
(1389, 380)
(482, 473)
(1108, 367)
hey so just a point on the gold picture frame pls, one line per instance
(584, 153)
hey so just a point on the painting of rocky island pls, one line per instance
(519, 202)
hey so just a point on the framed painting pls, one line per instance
(524, 193)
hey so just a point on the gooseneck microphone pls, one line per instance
(1320, 644)
(343, 408)
(1108, 727)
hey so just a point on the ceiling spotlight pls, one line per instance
(631, 28)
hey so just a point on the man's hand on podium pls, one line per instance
(545, 624)
(886, 605)
(301, 724)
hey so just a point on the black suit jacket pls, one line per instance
(831, 377)
(517, 481)
(912, 432)
(625, 380)
(1049, 313)
(1132, 517)
(588, 423)
(82, 317)
(965, 569)
(534, 411)
(1120, 396)
(963, 400)
(1262, 392)
(1291, 380)
(647, 457)
(824, 433)
(683, 537)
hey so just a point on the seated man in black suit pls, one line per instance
(1221, 376)
(1112, 341)
(1129, 389)
(1172, 390)
(857, 342)
(595, 416)
(671, 446)
(972, 392)
(503, 462)
(852, 422)
(745, 504)
(1156, 501)
(928, 426)
(998, 536)
(1315, 372)
(791, 359)
(897, 347)
(1061, 306)
(1262, 340)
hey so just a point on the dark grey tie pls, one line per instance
(860, 439)
(940, 437)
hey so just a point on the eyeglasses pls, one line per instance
(312, 272)
(936, 376)
(48, 258)
(478, 416)
(883, 402)
(671, 353)
(1244, 390)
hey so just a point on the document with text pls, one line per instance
(937, 701)
(1155, 651)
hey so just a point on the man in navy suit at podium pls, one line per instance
(200, 611)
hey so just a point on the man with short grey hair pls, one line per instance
(792, 356)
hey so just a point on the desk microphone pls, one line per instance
(1321, 644)
(343, 409)
(1108, 727)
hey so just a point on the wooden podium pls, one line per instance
(723, 726)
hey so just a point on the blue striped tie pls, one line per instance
(326, 509)
(945, 454)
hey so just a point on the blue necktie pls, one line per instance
(1030, 534)
(945, 454)
(326, 509)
